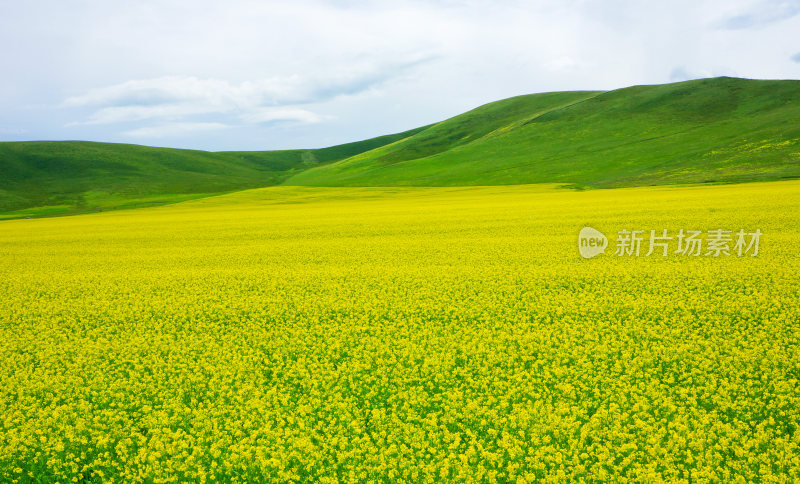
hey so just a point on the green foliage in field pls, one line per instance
(705, 131)
(300, 334)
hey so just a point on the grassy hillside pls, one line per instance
(704, 131)
(40, 178)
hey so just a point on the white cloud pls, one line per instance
(173, 130)
(125, 114)
(181, 98)
(269, 115)
(274, 91)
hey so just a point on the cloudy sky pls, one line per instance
(253, 75)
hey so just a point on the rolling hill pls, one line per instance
(52, 177)
(703, 131)
(718, 130)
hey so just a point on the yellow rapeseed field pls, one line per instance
(403, 335)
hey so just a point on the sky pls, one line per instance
(263, 75)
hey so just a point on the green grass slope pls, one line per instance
(705, 131)
(51, 177)
(702, 131)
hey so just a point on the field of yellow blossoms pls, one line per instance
(404, 335)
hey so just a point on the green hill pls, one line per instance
(47, 177)
(703, 131)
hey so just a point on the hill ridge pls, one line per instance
(721, 129)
